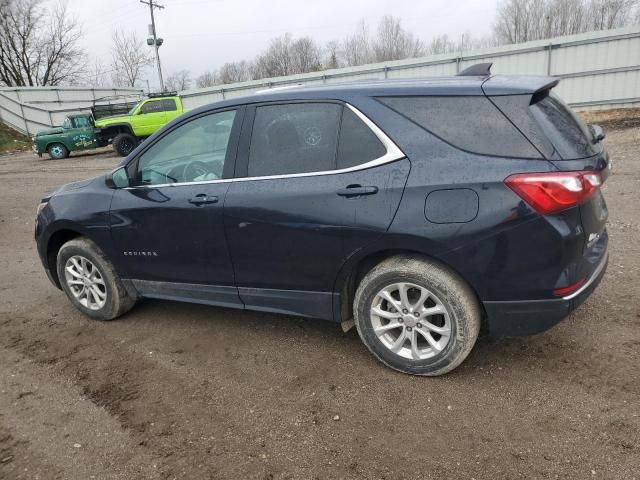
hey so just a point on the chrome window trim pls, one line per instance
(393, 153)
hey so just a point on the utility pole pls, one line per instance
(155, 41)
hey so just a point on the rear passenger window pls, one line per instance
(470, 123)
(357, 144)
(294, 138)
(169, 105)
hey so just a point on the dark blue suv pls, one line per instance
(422, 210)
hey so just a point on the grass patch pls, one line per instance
(12, 141)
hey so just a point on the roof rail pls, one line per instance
(277, 89)
(477, 70)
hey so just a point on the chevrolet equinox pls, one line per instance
(421, 210)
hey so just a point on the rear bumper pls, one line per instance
(528, 317)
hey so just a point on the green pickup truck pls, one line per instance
(81, 132)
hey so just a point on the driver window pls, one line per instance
(66, 124)
(193, 152)
(152, 107)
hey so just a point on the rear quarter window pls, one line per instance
(357, 143)
(469, 123)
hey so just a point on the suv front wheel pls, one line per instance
(90, 281)
(416, 316)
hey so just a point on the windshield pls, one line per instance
(130, 112)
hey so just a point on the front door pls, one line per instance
(168, 226)
(83, 136)
(294, 217)
(151, 116)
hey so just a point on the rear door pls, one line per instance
(304, 200)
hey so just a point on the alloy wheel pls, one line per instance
(410, 321)
(85, 282)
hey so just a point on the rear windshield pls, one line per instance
(568, 134)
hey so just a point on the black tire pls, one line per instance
(117, 300)
(57, 151)
(464, 314)
(124, 143)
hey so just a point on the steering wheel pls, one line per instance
(193, 170)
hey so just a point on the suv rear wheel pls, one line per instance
(416, 316)
(124, 143)
(90, 281)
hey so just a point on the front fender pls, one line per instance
(80, 209)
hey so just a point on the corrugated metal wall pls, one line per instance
(598, 69)
(29, 109)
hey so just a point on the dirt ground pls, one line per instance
(195, 392)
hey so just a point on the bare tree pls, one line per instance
(207, 79)
(96, 75)
(441, 44)
(305, 54)
(357, 47)
(276, 61)
(178, 81)
(523, 20)
(129, 58)
(38, 46)
(234, 72)
(332, 55)
(394, 43)
(605, 14)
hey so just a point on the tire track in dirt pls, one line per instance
(48, 430)
(210, 393)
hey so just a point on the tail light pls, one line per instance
(554, 191)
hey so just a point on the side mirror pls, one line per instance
(117, 178)
(597, 132)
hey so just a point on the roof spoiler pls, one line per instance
(477, 70)
(518, 85)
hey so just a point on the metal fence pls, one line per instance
(598, 70)
(29, 109)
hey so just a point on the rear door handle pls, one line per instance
(357, 191)
(202, 199)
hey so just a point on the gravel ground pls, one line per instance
(187, 391)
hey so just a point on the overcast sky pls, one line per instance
(203, 34)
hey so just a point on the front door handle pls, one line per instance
(357, 191)
(203, 199)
